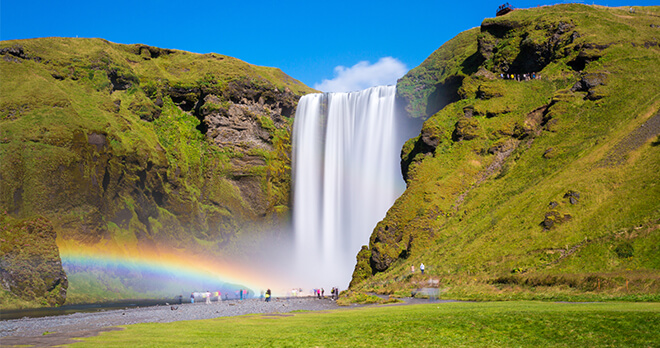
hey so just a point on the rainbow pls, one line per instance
(174, 271)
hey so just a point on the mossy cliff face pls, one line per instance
(131, 144)
(30, 265)
(537, 177)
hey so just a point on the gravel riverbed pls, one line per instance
(61, 329)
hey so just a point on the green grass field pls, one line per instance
(459, 324)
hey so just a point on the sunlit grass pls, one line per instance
(493, 324)
(472, 224)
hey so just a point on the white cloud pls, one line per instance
(364, 75)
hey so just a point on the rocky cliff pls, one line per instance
(537, 165)
(132, 144)
(30, 264)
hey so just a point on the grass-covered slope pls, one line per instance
(136, 145)
(541, 188)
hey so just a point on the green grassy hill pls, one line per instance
(539, 188)
(132, 145)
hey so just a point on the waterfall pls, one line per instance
(346, 175)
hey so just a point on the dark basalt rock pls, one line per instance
(553, 218)
(121, 82)
(572, 196)
(17, 51)
(500, 27)
(387, 245)
(425, 145)
(589, 81)
(148, 52)
(486, 92)
(587, 54)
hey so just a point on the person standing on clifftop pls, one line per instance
(421, 268)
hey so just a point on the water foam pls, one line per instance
(346, 175)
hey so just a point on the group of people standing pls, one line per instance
(209, 296)
(320, 293)
(520, 77)
(421, 268)
(206, 296)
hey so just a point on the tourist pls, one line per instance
(192, 297)
(180, 299)
(421, 268)
(268, 295)
(208, 297)
(322, 293)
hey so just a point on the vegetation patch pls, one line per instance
(430, 325)
(520, 188)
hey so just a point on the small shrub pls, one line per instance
(624, 250)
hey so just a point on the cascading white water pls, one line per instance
(346, 176)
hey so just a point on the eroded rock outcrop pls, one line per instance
(482, 170)
(30, 264)
(146, 147)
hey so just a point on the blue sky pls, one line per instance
(366, 42)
